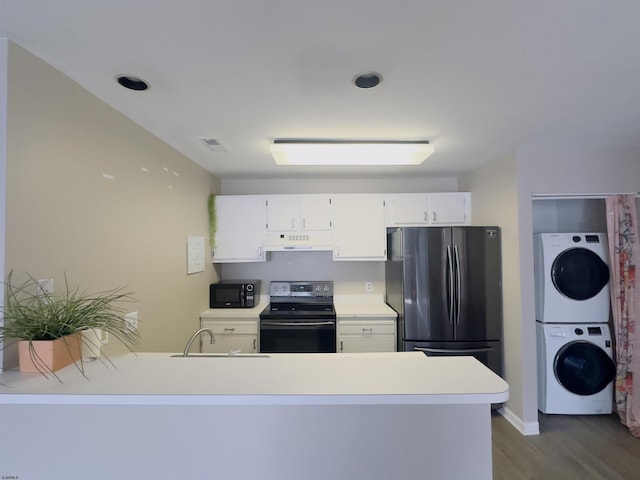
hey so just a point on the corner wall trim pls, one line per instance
(525, 428)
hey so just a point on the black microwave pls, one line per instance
(234, 294)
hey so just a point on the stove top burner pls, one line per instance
(300, 299)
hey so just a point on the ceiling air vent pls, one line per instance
(213, 144)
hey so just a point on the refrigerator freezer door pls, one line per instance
(489, 353)
(478, 304)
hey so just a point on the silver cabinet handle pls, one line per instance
(434, 216)
(341, 346)
(255, 344)
(228, 329)
(367, 330)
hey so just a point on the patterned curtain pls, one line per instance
(622, 228)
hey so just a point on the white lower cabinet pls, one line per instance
(370, 335)
(239, 336)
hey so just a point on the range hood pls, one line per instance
(299, 241)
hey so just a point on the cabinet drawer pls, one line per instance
(366, 328)
(232, 328)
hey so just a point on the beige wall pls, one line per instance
(502, 193)
(80, 203)
(495, 202)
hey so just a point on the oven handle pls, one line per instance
(296, 324)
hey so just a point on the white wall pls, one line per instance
(339, 185)
(569, 215)
(80, 203)
(349, 277)
(538, 171)
(4, 55)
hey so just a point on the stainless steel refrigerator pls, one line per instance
(445, 284)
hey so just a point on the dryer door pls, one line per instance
(583, 368)
(579, 273)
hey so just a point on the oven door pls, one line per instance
(297, 336)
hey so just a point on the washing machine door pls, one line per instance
(583, 368)
(579, 273)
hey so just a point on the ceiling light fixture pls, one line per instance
(350, 152)
(132, 83)
(367, 80)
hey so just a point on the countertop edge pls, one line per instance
(238, 400)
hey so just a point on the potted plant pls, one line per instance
(48, 327)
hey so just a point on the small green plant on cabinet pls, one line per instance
(32, 315)
(213, 221)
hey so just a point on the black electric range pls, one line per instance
(300, 318)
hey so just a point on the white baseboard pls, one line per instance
(528, 428)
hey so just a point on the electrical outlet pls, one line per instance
(368, 286)
(45, 286)
(131, 320)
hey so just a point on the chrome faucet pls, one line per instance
(194, 336)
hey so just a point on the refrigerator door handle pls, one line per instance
(450, 286)
(456, 257)
(453, 350)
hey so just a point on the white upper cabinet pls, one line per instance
(240, 228)
(450, 208)
(407, 209)
(424, 209)
(291, 213)
(359, 231)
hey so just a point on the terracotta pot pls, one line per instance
(49, 355)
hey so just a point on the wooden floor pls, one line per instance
(569, 447)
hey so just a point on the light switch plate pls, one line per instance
(45, 286)
(131, 320)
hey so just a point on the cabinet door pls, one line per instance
(231, 343)
(240, 230)
(315, 212)
(359, 231)
(231, 336)
(363, 336)
(449, 208)
(409, 209)
(290, 213)
(283, 213)
(373, 343)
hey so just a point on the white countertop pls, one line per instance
(345, 305)
(276, 379)
(235, 313)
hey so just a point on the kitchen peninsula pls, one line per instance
(279, 416)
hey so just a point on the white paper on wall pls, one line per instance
(195, 254)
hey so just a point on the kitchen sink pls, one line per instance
(221, 355)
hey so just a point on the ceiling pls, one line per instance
(476, 78)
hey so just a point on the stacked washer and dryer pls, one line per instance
(574, 347)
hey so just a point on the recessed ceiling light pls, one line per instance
(367, 80)
(132, 83)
